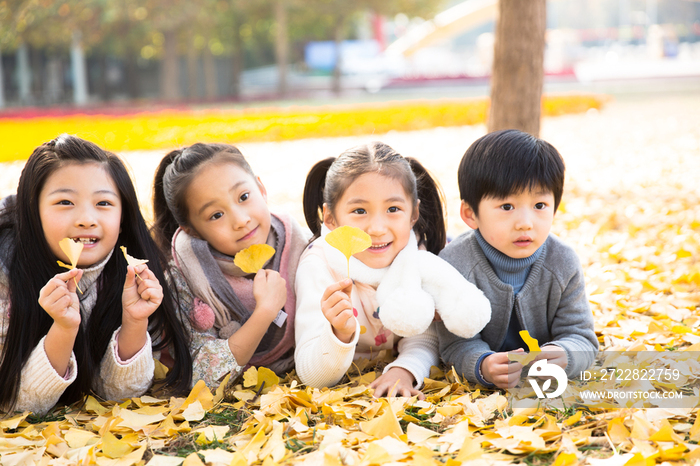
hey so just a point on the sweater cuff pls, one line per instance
(477, 371)
(115, 345)
(126, 379)
(40, 385)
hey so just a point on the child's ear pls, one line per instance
(190, 231)
(328, 219)
(416, 214)
(262, 187)
(468, 215)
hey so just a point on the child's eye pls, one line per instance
(64, 202)
(507, 207)
(359, 211)
(540, 206)
(104, 203)
(244, 197)
(393, 209)
(216, 216)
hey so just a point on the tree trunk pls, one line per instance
(337, 84)
(192, 70)
(24, 74)
(518, 66)
(210, 81)
(131, 72)
(2, 83)
(281, 46)
(170, 71)
(237, 63)
(79, 70)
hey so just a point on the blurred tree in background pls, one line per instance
(185, 43)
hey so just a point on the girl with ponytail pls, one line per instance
(209, 205)
(395, 286)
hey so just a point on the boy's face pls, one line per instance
(515, 225)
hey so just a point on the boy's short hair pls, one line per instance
(508, 162)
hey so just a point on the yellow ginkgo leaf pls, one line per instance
(131, 260)
(252, 259)
(349, 240)
(71, 249)
(268, 377)
(532, 345)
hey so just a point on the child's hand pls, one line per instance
(141, 296)
(497, 369)
(396, 382)
(59, 299)
(270, 292)
(337, 308)
(554, 355)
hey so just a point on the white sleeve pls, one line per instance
(417, 354)
(321, 359)
(124, 379)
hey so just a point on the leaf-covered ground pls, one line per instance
(632, 211)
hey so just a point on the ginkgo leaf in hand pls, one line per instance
(532, 345)
(71, 249)
(252, 259)
(132, 261)
(349, 240)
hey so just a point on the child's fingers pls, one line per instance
(69, 275)
(340, 286)
(130, 276)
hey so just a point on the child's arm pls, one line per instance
(321, 358)
(41, 385)
(127, 367)
(572, 328)
(498, 370)
(270, 292)
(60, 301)
(462, 353)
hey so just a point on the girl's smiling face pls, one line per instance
(81, 202)
(227, 208)
(379, 206)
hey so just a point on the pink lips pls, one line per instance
(523, 241)
(249, 235)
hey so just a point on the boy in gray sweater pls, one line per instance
(511, 184)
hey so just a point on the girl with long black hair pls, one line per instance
(97, 326)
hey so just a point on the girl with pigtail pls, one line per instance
(395, 286)
(209, 205)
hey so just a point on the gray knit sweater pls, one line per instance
(552, 306)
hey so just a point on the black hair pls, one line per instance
(328, 179)
(507, 162)
(32, 264)
(174, 175)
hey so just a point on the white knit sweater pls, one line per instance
(41, 386)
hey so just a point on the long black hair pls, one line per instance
(31, 264)
(329, 178)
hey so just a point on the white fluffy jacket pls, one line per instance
(408, 293)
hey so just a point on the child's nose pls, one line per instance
(376, 227)
(86, 219)
(524, 221)
(240, 220)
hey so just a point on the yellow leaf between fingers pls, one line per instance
(252, 259)
(349, 240)
(71, 249)
(131, 260)
(532, 345)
